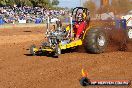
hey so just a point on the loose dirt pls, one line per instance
(20, 70)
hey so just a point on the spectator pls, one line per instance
(11, 14)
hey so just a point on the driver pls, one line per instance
(79, 25)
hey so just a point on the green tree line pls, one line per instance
(34, 3)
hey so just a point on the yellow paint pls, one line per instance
(67, 28)
(35, 50)
(48, 50)
(63, 47)
(86, 31)
(72, 44)
(84, 15)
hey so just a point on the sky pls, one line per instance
(73, 3)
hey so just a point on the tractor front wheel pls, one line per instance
(57, 51)
(32, 50)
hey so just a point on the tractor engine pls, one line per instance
(56, 36)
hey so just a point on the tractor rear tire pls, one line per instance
(95, 41)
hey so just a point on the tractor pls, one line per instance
(81, 31)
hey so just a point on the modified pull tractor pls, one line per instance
(77, 33)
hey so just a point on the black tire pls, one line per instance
(32, 51)
(95, 41)
(129, 34)
(85, 81)
(45, 44)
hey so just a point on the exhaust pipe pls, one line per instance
(48, 24)
(71, 26)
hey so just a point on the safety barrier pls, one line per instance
(1, 21)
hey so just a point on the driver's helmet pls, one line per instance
(80, 17)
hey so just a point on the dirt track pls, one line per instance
(20, 70)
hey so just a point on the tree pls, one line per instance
(117, 6)
(91, 6)
(34, 2)
(104, 9)
(7, 2)
(2, 2)
(11, 2)
(43, 3)
(121, 6)
(28, 3)
(18, 3)
(55, 2)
